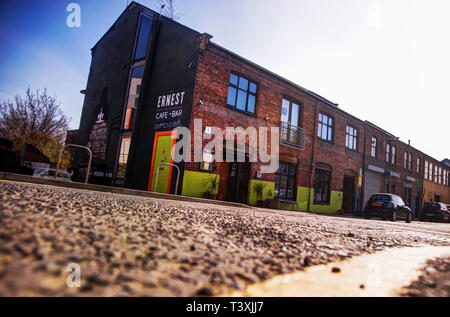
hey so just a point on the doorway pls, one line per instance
(348, 201)
(238, 180)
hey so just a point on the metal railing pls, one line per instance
(79, 146)
(292, 135)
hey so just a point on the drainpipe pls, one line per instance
(361, 198)
(312, 157)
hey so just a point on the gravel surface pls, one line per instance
(133, 246)
(434, 280)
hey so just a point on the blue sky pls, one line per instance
(384, 61)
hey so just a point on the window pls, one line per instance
(285, 181)
(394, 157)
(133, 96)
(351, 138)
(430, 172)
(418, 165)
(440, 175)
(408, 161)
(435, 173)
(242, 93)
(388, 152)
(322, 187)
(426, 170)
(290, 132)
(325, 127)
(143, 38)
(123, 157)
(373, 147)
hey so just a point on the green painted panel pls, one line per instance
(163, 154)
(253, 196)
(333, 207)
(195, 184)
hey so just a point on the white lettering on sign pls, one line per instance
(170, 100)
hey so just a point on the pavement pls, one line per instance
(141, 246)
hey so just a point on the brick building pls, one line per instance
(150, 75)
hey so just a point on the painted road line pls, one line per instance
(384, 273)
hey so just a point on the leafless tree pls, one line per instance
(35, 119)
(169, 9)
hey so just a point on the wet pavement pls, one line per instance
(134, 246)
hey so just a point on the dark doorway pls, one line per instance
(238, 179)
(348, 202)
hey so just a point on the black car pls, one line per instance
(387, 206)
(435, 211)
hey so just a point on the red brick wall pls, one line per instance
(214, 70)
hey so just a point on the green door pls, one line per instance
(162, 153)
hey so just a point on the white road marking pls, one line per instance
(384, 273)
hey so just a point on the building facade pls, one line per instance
(150, 75)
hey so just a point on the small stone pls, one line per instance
(336, 270)
(204, 291)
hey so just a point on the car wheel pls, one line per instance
(394, 215)
(409, 218)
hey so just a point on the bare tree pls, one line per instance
(35, 119)
(169, 9)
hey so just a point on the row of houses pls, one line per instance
(150, 75)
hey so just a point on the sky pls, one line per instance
(385, 61)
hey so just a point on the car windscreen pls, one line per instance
(380, 198)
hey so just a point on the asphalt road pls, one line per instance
(133, 246)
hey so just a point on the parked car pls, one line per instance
(387, 206)
(50, 173)
(435, 211)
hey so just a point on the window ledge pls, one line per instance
(288, 201)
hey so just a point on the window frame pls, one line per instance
(321, 184)
(320, 124)
(248, 93)
(373, 147)
(353, 137)
(289, 178)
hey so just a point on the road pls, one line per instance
(134, 246)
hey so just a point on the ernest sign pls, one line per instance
(169, 111)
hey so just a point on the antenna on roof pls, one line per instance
(160, 11)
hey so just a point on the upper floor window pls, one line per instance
(143, 37)
(325, 127)
(290, 131)
(430, 172)
(242, 93)
(393, 155)
(435, 173)
(440, 175)
(373, 147)
(133, 96)
(388, 152)
(351, 138)
(418, 165)
(426, 170)
(408, 161)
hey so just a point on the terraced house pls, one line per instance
(150, 75)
